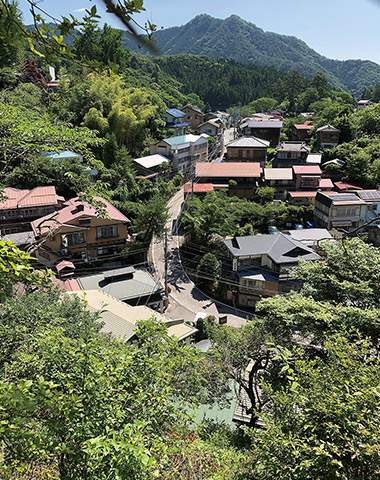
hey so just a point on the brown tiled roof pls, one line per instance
(228, 169)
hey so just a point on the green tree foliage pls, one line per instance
(208, 269)
(369, 119)
(152, 218)
(316, 426)
(11, 41)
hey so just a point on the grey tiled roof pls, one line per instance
(280, 248)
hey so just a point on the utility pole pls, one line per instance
(166, 266)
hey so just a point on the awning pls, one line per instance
(342, 223)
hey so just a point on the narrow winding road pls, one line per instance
(185, 300)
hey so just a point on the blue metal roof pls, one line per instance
(176, 125)
(174, 112)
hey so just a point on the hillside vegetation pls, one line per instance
(234, 38)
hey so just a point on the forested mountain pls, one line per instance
(234, 38)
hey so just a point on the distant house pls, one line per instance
(328, 136)
(245, 176)
(247, 149)
(131, 285)
(343, 187)
(301, 131)
(174, 118)
(78, 232)
(150, 165)
(263, 264)
(310, 236)
(314, 159)
(362, 104)
(267, 129)
(211, 127)
(372, 199)
(282, 179)
(182, 151)
(302, 198)
(20, 207)
(334, 210)
(325, 184)
(290, 153)
(193, 116)
(120, 319)
(307, 177)
(198, 188)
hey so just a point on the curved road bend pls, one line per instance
(185, 298)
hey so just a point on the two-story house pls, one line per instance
(328, 136)
(20, 207)
(151, 165)
(182, 151)
(334, 210)
(212, 127)
(290, 153)
(193, 116)
(301, 131)
(362, 104)
(240, 178)
(263, 264)
(282, 179)
(79, 232)
(372, 199)
(175, 118)
(248, 149)
(262, 127)
(307, 177)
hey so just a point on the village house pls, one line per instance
(302, 198)
(266, 127)
(135, 286)
(193, 116)
(307, 177)
(20, 207)
(372, 199)
(182, 151)
(213, 127)
(263, 264)
(120, 319)
(343, 187)
(314, 159)
(362, 104)
(301, 131)
(150, 166)
(174, 118)
(328, 136)
(247, 149)
(334, 210)
(310, 236)
(79, 233)
(282, 179)
(290, 153)
(239, 178)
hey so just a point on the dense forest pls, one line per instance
(234, 38)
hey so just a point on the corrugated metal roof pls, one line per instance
(327, 128)
(307, 170)
(371, 195)
(175, 112)
(345, 186)
(325, 183)
(228, 169)
(302, 194)
(278, 173)
(151, 161)
(264, 123)
(181, 139)
(198, 187)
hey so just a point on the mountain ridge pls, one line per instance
(238, 39)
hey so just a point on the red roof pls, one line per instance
(64, 264)
(199, 187)
(228, 169)
(346, 186)
(304, 126)
(302, 194)
(71, 212)
(38, 197)
(325, 183)
(307, 170)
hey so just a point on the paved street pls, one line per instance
(185, 299)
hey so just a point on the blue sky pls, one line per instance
(339, 29)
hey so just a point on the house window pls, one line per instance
(240, 153)
(75, 238)
(84, 221)
(107, 231)
(107, 251)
